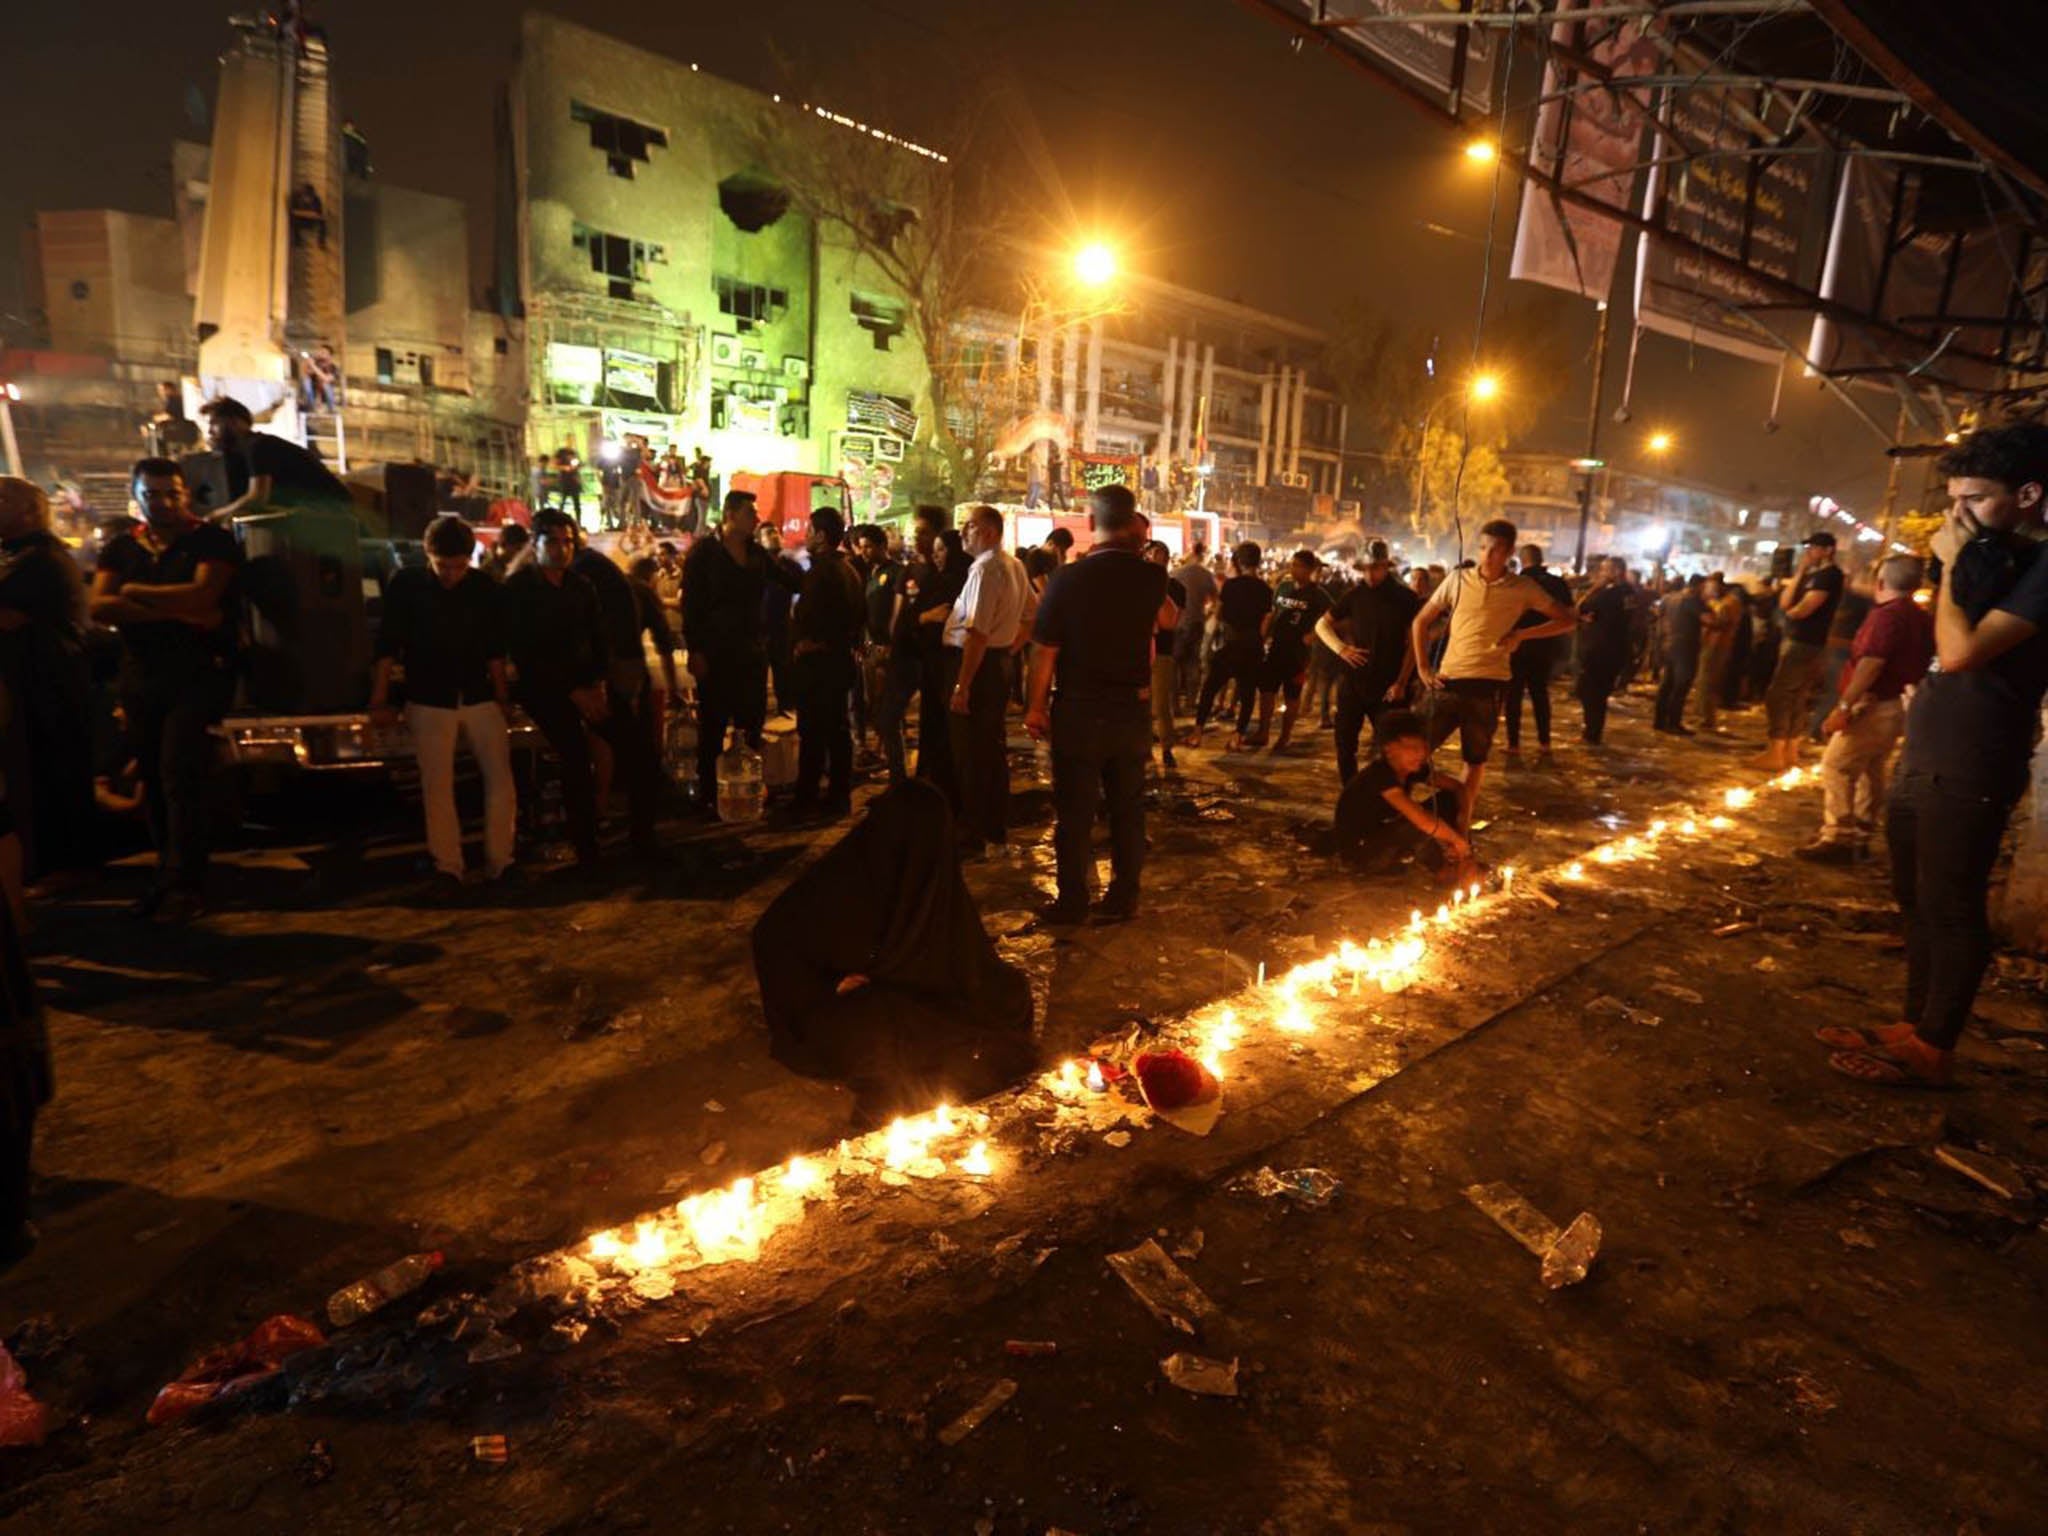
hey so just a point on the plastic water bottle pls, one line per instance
(352, 1303)
(742, 789)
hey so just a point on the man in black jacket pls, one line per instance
(823, 629)
(555, 634)
(629, 690)
(1530, 667)
(724, 579)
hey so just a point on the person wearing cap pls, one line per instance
(1368, 630)
(1809, 612)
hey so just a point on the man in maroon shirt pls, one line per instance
(1890, 654)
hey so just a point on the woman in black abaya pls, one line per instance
(875, 970)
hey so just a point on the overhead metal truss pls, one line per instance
(1796, 78)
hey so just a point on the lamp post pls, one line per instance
(1482, 387)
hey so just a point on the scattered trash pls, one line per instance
(2020, 1043)
(1162, 1286)
(1672, 989)
(856, 1400)
(1031, 1349)
(1614, 1007)
(23, 1420)
(1856, 1237)
(151, 1234)
(712, 1155)
(569, 1331)
(1312, 1187)
(1729, 930)
(317, 1465)
(1992, 1173)
(493, 1346)
(1767, 963)
(1179, 1090)
(976, 1416)
(1567, 1255)
(492, 1450)
(1118, 1139)
(713, 1107)
(1545, 897)
(1199, 1374)
(231, 1370)
(1809, 1395)
(353, 1303)
(1189, 1247)
(653, 1285)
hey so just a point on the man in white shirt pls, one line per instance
(988, 624)
(1485, 603)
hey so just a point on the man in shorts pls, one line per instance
(1298, 603)
(1484, 603)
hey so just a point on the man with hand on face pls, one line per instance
(555, 634)
(1969, 738)
(724, 580)
(1485, 603)
(1369, 631)
(445, 625)
(170, 588)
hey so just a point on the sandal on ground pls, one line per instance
(1845, 1037)
(1881, 1069)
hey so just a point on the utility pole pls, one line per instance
(1889, 521)
(1590, 464)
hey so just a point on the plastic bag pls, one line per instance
(23, 1420)
(223, 1373)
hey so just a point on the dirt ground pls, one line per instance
(1801, 1318)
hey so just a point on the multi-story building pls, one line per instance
(1684, 525)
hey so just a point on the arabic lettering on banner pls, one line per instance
(1760, 211)
(1421, 53)
(1589, 141)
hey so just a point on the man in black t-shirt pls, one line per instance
(1299, 603)
(1400, 808)
(265, 471)
(1809, 610)
(170, 588)
(881, 592)
(1096, 629)
(902, 657)
(555, 636)
(724, 577)
(1164, 689)
(1604, 641)
(1969, 737)
(1369, 630)
(1242, 604)
(1530, 667)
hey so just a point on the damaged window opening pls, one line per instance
(620, 260)
(881, 318)
(751, 304)
(621, 140)
(752, 202)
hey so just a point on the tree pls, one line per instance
(1461, 482)
(931, 229)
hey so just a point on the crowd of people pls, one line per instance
(1112, 655)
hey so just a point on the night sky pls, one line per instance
(1188, 130)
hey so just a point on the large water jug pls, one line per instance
(742, 790)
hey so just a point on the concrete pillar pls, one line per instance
(1208, 379)
(1283, 396)
(1094, 411)
(1169, 439)
(1041, 452)
(1187, 401)
(1264, 464)
(1070, 378)
(1294, 431)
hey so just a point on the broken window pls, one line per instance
(623, 142)
(621, 261)
(881, 318)
(752, 305)
(752, 202)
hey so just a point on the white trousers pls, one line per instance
(434, 733)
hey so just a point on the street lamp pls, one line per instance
(1095, 264)
(1482, 151)
(1479, 389)
(1660, 442)
(1485, 386)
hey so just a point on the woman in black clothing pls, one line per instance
(934, 600)
(1241, 609)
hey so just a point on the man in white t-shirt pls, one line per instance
(1485, 603)
(987, 625)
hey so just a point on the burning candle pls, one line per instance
(1096, 1080)
(1738, 799)
(1575, 871)
(605, 1245)
(1443, 914)
(1415, 921)
(976, 1163)
(1473, 893)
(800, 1175)
(1507, 877)
(649, 1247)
(1689, 827)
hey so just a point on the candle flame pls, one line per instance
(648, 1247)
(1095, 1077)
(1738, 799)
(1575, 871)
(1689, 827)
(976, 1161)
(605, 1245)
(801, 1175)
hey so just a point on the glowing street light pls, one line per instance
(1485, 386)
(1660, 442)
(1095, 264)
(1481, 151)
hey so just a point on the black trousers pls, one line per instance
(561, 722)
(1598, 675)
(732, 693)
(820, 684)
(901, 680)
(170, 725)
(1680, 668)
(934, 736)
(1098, 753)
(1238, 662)
(1361, 695)
(629, 729)
(1373, 840)
(981, 749)
(1944, 842)
(1529, 672)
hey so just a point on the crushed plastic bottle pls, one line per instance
(1571, 1256)
(1311, 1187)
(353, 1303)
(742, 785)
